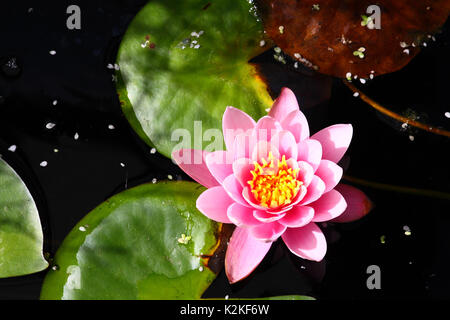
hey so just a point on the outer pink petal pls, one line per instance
(219, 163)
(314, 192)
(285, 142)
(234, 189)
(306, 172)
(335, 140)
(358, 204)
(330, 173)
(297, 124)
(241, 169)
(330, 205)
(243, 255)
(284, 104)
(310, 150)
(265, 128)
(242, 216)
(266, 217)
(299, 216)
(214, 203)
(194, 164)
(307, 242)
(235, 121)
(268, 232)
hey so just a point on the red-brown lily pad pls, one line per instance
(333, 35)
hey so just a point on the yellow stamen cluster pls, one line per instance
(274, 185)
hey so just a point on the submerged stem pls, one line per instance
(400, 189)
(394, 115)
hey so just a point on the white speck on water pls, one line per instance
(227, 297)
(297, 55)
(404, 125)
(111, 127)
(296, 64)
(424, 44)
(447, 115)
(169, 176)
(122, 164)
(200, 269)
(406, 51)
(110, 66)
(55, 150)
(277, 49)
(348, 76)
(30, 10)
(154, 180)
(52, 52)
(82, 229)
(363, 81)
(411, 138)
(12, 148)
(403, 44)
(152, 150)
(76, 136)
(262, 43)
(356, 94)
(43, 164)
(116, 66)
(371, 76)
(407, 230)
(50, 125)
(55, 102)
(281, 29)
(197, 46)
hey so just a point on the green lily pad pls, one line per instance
(186, 61)
(132, 247)
(21, 238)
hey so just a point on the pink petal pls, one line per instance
(330, 205)
(296, 123)
(268, 232)
(242, 216)
(219, 163)
(250, 199)
(285, 142)
(243, 145)
(307, 242)
(266, 217)
(358, 204)
(284, 104)
(241, 169)
(262, 150)
(265, 128)
(310, 150)
(194, 164)
(299, 216)
(235, 121)
(234, 189)
(335, 140)
(330, 173)
(214, 203)
(243, 255)
(306, 172)
(314, 192)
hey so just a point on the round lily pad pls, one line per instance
(182, 63)
(21, 239)
(149, 242)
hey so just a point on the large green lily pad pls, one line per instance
(21, 238)
(131, 247)
(186, 61)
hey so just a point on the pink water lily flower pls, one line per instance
(274, 180)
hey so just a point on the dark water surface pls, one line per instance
(85, 172)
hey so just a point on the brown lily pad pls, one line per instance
(328, 34)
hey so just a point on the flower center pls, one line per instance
(274, 184)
